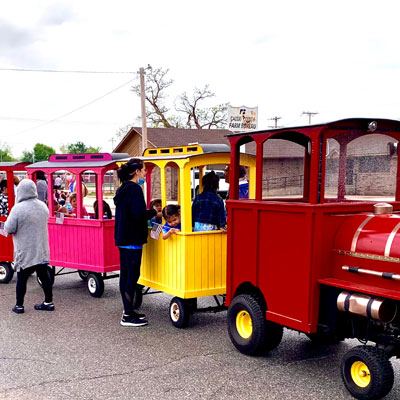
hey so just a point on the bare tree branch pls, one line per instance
(201, 117)
(190, 113)
(121, 132)
(155, 85)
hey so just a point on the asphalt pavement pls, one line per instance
(80, 351)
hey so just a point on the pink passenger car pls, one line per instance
(81, 243)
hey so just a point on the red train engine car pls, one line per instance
(318, 248)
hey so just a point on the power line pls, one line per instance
(76, 109)
(276, 122)
(65, 71)
(21, 119)
(310, 114)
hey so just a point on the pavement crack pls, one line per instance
(102, 376)
(27, 359)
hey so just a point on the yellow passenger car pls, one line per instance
(188, 264)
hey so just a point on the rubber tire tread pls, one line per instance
(82, 275)
(99, 284)
(382, 376)
(9, 274)
(273, 332)
(184, 313)
(266, 335)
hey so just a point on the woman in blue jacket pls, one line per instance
(131, 231)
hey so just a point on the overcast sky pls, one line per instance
(338, 58)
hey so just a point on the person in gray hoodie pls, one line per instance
(27, 222)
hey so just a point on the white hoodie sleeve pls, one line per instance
(11, 225)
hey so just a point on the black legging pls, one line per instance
(44, 276)
(130, 260)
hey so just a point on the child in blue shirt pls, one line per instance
(172, 216)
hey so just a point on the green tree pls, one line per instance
(40, 152)
(5, 152)
(78, 148)
(27, 156)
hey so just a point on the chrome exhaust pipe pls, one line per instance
(376, 308)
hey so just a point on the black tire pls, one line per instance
(138, 297)
(83, 275)
(248, 329)
(95, 284)
(179, 312)
(367, 372)
(6, 272)
(50, 272)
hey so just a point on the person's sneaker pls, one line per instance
(135, 315)
(132, 321)
(18, 309)
(45, 306)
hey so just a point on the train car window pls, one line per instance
(171, 176)
(110, 186)
(364, 168)
(223, 188)
(283, 170)
(155, 183)
(331, 169)
(18, 176)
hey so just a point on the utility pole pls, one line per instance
(112, 143)
(276, 122)
(310, 114)
(143, 104)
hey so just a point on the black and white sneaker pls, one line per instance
(18, 309)
(134, 314)
(45, 306)
(127, 320)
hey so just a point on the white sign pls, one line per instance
(59, 218)
(242, 118)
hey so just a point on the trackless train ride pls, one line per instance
(315, 248)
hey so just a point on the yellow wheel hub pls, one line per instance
(360, 374)
(244, 324)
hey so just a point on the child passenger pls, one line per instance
(3, 198)
(156, 205)
(171, 214)
(73, 201)
(106, 210)
(59, 208)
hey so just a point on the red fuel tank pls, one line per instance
(367, 253)
(370, 234)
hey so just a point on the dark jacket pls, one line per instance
(131, 215)
(208, 208)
